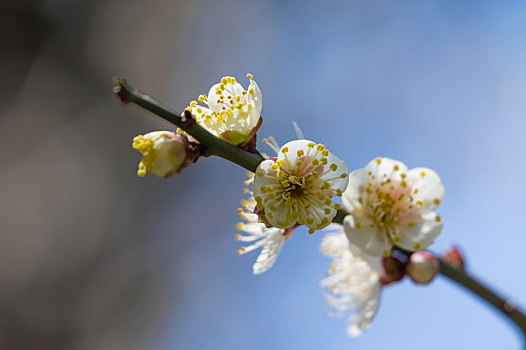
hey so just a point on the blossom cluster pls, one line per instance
(386, 209)
(386, 206)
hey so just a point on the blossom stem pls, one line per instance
(250, 161)
(213, 145)
(463, 278)
(505, 306)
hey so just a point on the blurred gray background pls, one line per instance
(92, 257)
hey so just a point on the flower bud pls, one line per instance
(394, 269)
(453, 257)
(422, 267)
(165, 153)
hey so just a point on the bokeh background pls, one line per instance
(92, 257)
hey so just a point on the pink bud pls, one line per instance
(422, 267)
(454, 257)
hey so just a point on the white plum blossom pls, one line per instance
(268, 239)
(297, 186)
(390, 205)
(232, 113)
(353, 282)
(164, 152)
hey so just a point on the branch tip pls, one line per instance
(120, 91)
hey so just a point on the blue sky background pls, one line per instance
(440, 84)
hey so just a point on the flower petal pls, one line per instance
(423, 233)
(211, 124)
(269, 252)
(269, 239)
(354, 190)
(335, 176)
(385, 168)
(255, 228)
(369, 239)
(265, 176)
(256, 98)
(352, 285)
(232, 90)
(374, 262)
(361, 320)
(429, 188)
(292, 149)
(320, 215)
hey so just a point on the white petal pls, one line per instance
(265, 180)
(249, 214)
(240, 123)
(213, 98)
(385, 168)
(293, 148)
(351, 283)
(253, 119)
(375, 262)
(269, 252)
(260, 181)
(354, 189)
(333, 244)
(369, 239)
(424, 232)
(231, 90)
(256, 99)
(212, 125)
(430, 188)
(235, 90)
(339, 183)
(257, 229)
(361, 320)
(243, 238)
(320, 216)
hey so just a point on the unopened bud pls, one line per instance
(394, 269)
(165, 153)
(453, 257)
(422, 267)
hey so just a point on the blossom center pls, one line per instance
(389, 203)
(297, 186)
(294, 186)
